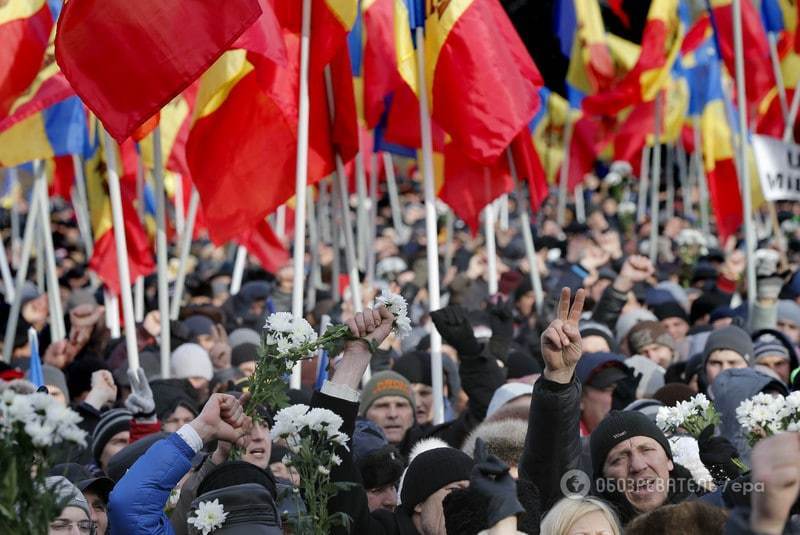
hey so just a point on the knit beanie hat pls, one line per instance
(67, 492)
(54, 376)
(670, 309)
(521, 364)
(730, 337)
(769, 346)
(245, 352)
(646, 333)
(789, 311)
(594, 328)
(112, 422)
(432, 470)
(620, 426)
(381, 467)
(198, 325)
(243, 335)
(191, 360)
(416, 367)
(384, 384)
(169, 394)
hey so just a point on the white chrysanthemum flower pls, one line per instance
(20, 410)
(282, 322)
(287, 460)
(323, 419)
(42, 435)
(686, 452)
(335, 459)
(40, 401)
(73, 434)
(286, 420)
(399, 309)
(324, 471)
(209, 516)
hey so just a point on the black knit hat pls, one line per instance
(381, 467)
(169, 394)
(730, 337)
(234, 473)
(617, 427)
(112, 422)
(670, 309)
(432, 470)
(245, 352)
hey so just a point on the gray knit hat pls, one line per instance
(769, 345)
(789, 311)
(69, 493)
(384, 384)
(731, 337)
(112, 422)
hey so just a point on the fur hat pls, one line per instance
(504, 439)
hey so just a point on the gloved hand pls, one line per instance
(140, 402)
(453, 324)
(769, 288)
(717, 453)
(490, 478)
(625, 393)
(500, 321)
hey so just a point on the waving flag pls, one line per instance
(661, 43)
(529, 168)
(126, 60)
(583, 39)
(481, 82)
(262, 243)
(24, 31)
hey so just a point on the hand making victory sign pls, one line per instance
(561, 341)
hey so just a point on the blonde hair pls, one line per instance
(564, 514)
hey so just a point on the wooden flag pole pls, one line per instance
(185, 247)
(22, 272)
(301, 180)
(744, 170)
(654, 190)
(527, 236)
(57, 327)
(430, 228)
(161, 253)
(122, 253)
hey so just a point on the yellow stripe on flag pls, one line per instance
(440, 18)
(219, 80)
(25, 141)
(12, 10)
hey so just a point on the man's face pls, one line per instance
(721, 360)
(778, 364)
(117, 442)
(790, 329)
(525, 303)
(595, 404)
(259, 448)
(661, 355)
(36, 310)
(57, 394)
(180, 416)
(676, 327)
(394, 415)
(641, 467)
(429, 515)
(98, 509)
(423, 402)
(384, 497)
(595, 344)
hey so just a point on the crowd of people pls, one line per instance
(549, 407)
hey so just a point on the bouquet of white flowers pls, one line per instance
(686, 452)
(30, 425)
(764, 415)
(311, 436)
(285, 341)
(692, 416)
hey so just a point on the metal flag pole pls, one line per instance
(57, 328)
(394, 198)
(122, 253)
(561, 212)
(183, 258)
(489, 221)
(161, 253)
(430, 228)
(744, 171)
(238, 269)
(644, 184)
(656, 181)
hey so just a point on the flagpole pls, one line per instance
(185, 247)
(180, 216)
(335, 238)
(5, 270)
(138, 285)
(685, 180)
(580, 204)
(744, 170)
(670, 207)
(112, 313)
(644, 184)
(13, 176)
(489, 221)
(313, 245)
(430, 228)
(362, 216)
(561, 213)
(301, 180)
(502, 204)
(788, 130)
(656, 181)
(449, 224)
(527, 235)
(57, 328)
(324, 211)
(138, 299)
(776, 71)
(122, 253)
(702, 186)
(161, 253)
(238, 270)
(372, 219)
(82, 206)
(22, 272)
(280, 221)
(394, 198)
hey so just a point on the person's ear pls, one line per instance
(670, 465)
(418, 509)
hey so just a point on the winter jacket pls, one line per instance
(136, 505)
(730, 388)
(609, 307)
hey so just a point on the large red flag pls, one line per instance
(262, 243)
(529, 167)
(126, 60)
(482, 82)
(24, 30)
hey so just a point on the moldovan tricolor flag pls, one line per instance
(481, 82)
(126, 60)
(24, 31)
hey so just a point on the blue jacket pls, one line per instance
(136, 505)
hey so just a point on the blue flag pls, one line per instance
(35, 374)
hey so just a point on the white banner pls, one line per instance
(779, 168)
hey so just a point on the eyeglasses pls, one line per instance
(85, 527)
